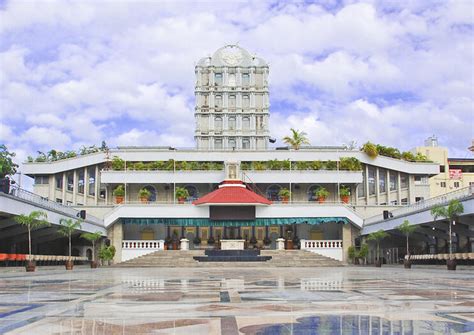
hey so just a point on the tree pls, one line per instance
(34, 220)
(68, 226)
(296, 139)
(377, 236)
(7, 166)
(92, 237)
(407, 229)
(450, 212)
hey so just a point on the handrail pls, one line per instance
(444, 199)
(40, 201)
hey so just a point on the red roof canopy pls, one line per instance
(232, 192)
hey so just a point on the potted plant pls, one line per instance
(144, 195)
(168, 243)
(296, 242)
(377, 236)
(345, 193)
(407, 229)
(267, 241)
(253, 241)
(370, 149)
(181, 194)
(92, 237)
(352, 254)
(119, 193)
(197, 241)
(68, 226)
(363, 252)
(34, 220)
(118, 163)
(321, 193)
(106, 254)
(284, 195)
(450, 212)
(211, 241)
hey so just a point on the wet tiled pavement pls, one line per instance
(348, 300)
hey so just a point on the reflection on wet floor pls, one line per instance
(238, 301)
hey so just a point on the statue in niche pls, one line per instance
(232, 171)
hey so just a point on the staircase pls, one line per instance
(184, 259)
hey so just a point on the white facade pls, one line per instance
(232, 101)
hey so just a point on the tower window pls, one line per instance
(218, 79)
(245, 123)
(245, 143)
(245, 79)
(245, 101)
(232, 123)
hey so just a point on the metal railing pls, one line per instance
(51, 205)
(422, 205)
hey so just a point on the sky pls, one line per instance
(74, 73)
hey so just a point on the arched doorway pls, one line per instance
(272, 192)
(193, 192)
(152, 191)
(310, 192)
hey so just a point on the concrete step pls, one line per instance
(280, 258)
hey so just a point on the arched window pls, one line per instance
(245, 143)
(232, 123)
(152, 191)
(193, 192)
(232, 143)
(245, 123)
(311, 190)
(272, 192)
(218, 123)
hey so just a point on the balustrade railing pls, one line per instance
(48, 204)
(425, 204)
(143, 244)
(321, 244)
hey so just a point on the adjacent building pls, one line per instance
(454, 173)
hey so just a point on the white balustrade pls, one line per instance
(136, 248)
(328, 248)
(427, 204)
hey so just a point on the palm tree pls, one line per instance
(68, 226)
(34, 220)
(450, 212)
(407, 229)
(296, 139)
(377, 236)
(92, 237)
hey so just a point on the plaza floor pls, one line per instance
(348, 300)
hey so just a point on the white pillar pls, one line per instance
(184, 244)
(280, 243)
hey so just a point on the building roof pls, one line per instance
(232, 55)
(232, 193)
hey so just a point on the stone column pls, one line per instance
(86, 186)
(64, 188)
(115, 234)
(387, 187)
(377, 189)
(74, 188)
(399, 189)
(280, 243)
(96, 185)
(346, 241)
(184, 244)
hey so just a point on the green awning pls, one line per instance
(204, 222)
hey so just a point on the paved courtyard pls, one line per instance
(348, 300)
